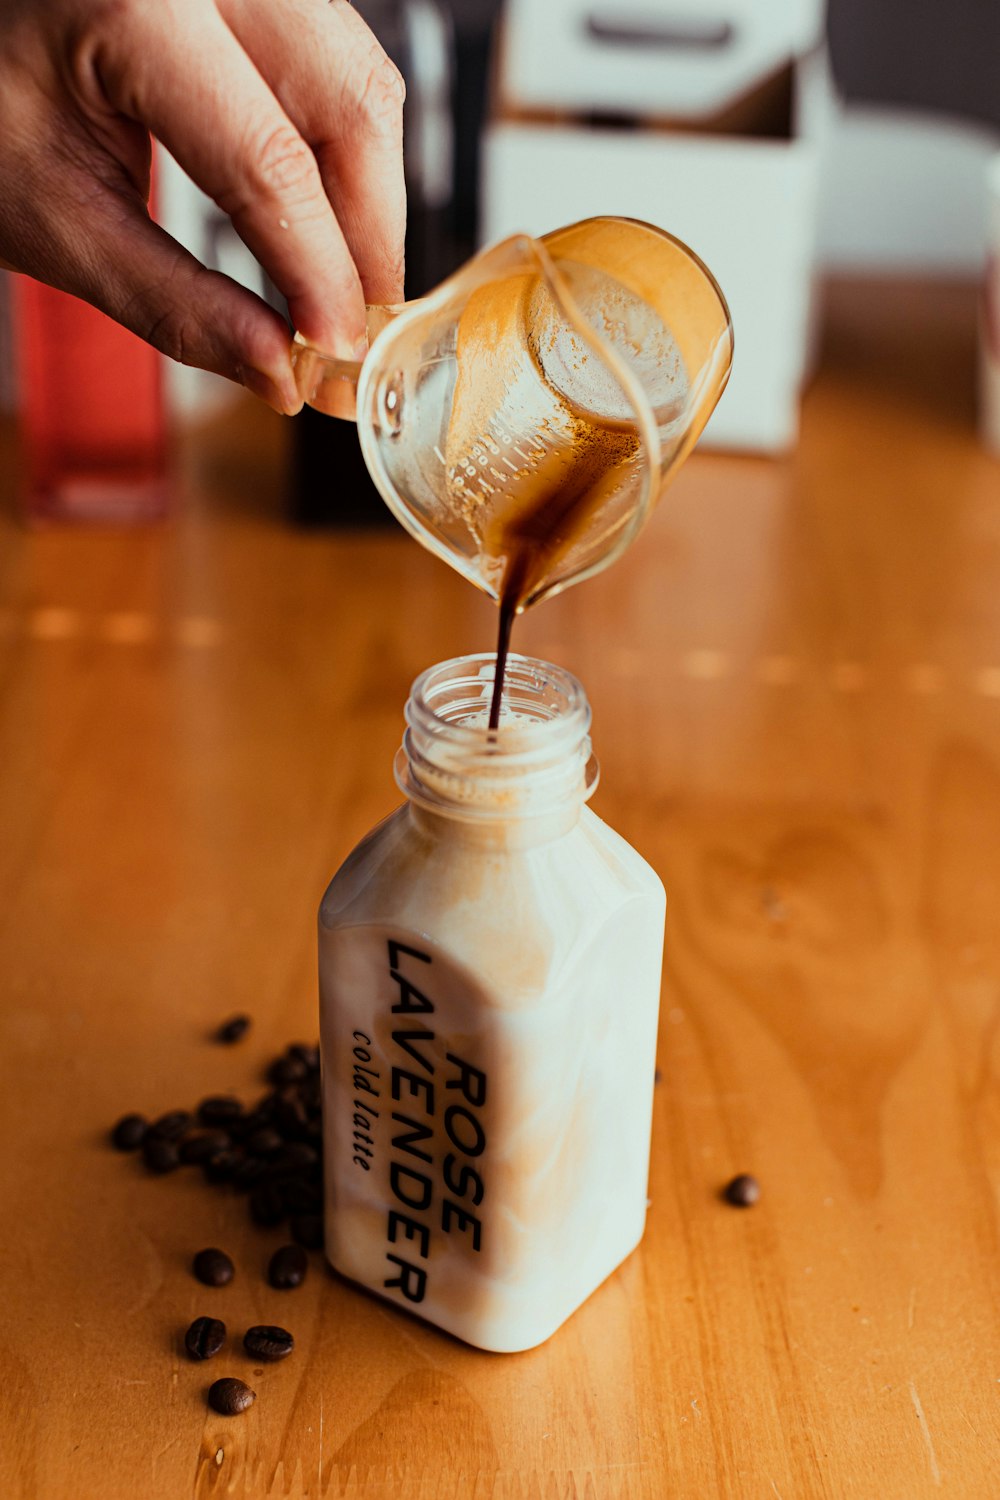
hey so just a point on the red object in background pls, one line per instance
(92, 415)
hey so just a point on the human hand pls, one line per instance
(286, 112)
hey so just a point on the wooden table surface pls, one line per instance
(795, 678)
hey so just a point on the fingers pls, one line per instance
(73, 213)
(153, 285)
(346, 97)
(138, 274)
(193, 85)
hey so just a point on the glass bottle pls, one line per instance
(490, 961)
(92, 415)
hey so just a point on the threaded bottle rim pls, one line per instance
(537, 760)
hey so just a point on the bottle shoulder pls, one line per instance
(363, 869)
(529, 909)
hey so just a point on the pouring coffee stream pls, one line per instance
(523, 419)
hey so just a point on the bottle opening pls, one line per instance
(538, 759)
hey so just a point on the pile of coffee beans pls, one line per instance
(272, 1150)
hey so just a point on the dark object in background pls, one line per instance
(445, 73)
(943, 56)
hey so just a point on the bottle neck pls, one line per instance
(523, 783)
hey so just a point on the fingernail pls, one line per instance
(338, 343)
(283, 397)
(347, 348)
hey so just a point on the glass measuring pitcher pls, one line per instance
(523, 419)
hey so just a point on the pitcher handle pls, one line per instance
(328, 384)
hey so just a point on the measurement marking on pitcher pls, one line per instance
(440, 455)
(510, 466)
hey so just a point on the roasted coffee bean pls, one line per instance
(294, 1161)
(250, 1170)
(302, 1197)
(311, 1093)
(199, 1148)
(300, 1155)
(170, 1127)
(251, 1123)
(288, 1267)
(290, 1116)
(743, 1191)
(213, 1267)
(307, 1229)
(266, 1205)
(221, 1167)
(205, 1337)
(306, 1054)
(264, 1341)
(229, 1396)
(159, 1155)
(219, 1109)
(129, 1133)
(264, 1142)
(233, 1030)
(286, 1070)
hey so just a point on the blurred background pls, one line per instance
(787, 144)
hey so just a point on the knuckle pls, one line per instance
(170, 333)
(380, 102)
(283, 164)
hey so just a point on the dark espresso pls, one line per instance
(542, 503)
(508, 609)
(562, 521)
(510, 603)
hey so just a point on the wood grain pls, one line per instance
(796, 686)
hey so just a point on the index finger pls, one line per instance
(196, 89)
(335, 81)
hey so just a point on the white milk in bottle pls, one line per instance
(490, 975)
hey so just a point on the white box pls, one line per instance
(746, 205)
(684, 58)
